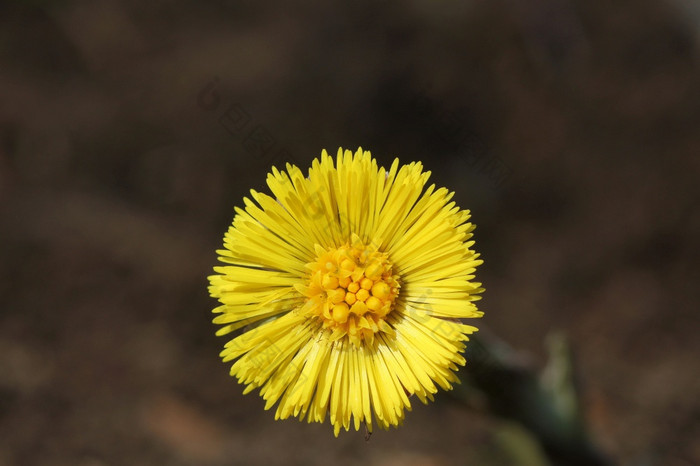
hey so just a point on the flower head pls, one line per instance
(349, 286)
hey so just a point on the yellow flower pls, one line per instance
(349, 285)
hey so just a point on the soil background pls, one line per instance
(130, 130)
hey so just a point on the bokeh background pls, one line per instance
(129, 131)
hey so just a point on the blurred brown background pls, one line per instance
(129, 131)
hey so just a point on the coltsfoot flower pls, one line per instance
(347, 287)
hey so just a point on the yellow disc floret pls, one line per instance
(351, 289)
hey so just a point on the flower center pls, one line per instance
(352, 289)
